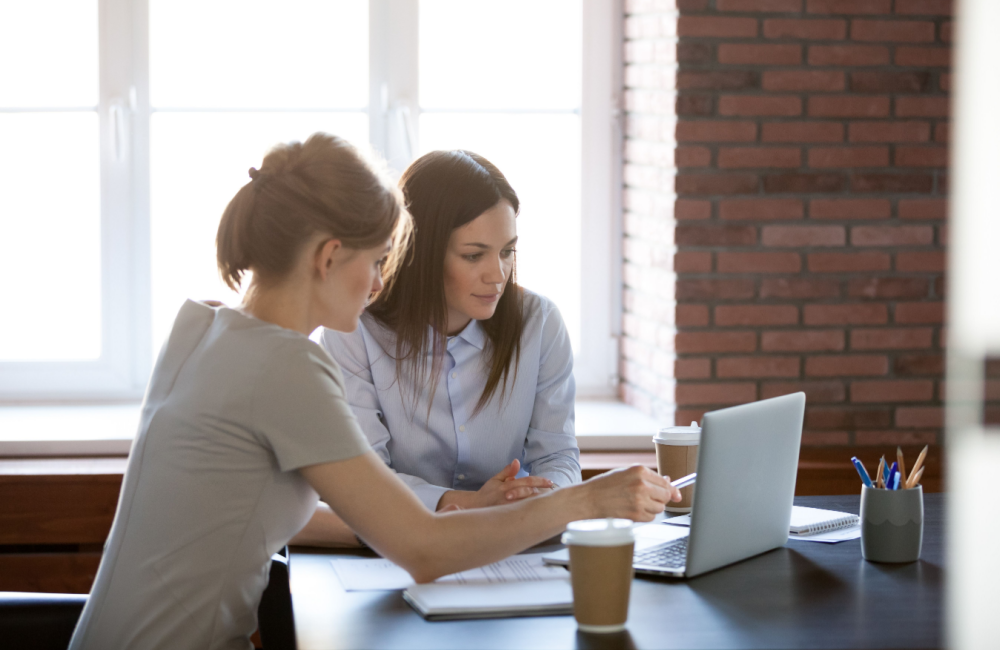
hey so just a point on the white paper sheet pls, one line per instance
(381, 574)
(370, 575)
(682, 520)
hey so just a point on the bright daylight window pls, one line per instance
(127, 125)
(50, 225)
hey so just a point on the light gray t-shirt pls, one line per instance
(235, 405)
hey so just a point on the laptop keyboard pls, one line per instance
(670, 555)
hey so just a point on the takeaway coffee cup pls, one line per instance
(600, 565)
(677, 456)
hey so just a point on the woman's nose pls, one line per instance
(496, 274)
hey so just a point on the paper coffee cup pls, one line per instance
(677, 456)
(600, 564)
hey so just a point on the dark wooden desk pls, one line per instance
(806, 595)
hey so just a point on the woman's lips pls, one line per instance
(489, 297)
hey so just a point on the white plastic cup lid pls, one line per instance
(690, 435)
(599, 532)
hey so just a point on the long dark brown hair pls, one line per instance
(445, 190)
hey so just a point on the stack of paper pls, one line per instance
(521, 585)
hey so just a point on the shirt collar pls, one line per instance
(473, 334)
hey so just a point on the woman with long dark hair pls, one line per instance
(461, 379)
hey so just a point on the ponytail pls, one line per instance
(322, 185)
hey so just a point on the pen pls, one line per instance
(684, 481)
(885, 468)
(862, 472)
(893, 471)
(895, 481)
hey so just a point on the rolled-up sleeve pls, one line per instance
(350, 352)
(550, 448)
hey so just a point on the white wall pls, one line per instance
(973, 471)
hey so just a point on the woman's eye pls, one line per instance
(472, 258)
(507, 252)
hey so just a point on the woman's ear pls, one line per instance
(326, 256)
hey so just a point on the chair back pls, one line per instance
(40, 621)
(275, 621)
(35, 621)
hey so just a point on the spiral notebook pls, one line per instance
(809, 521)
(805, 521)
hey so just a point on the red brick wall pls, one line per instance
(811, 176)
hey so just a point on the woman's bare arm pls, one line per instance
(372, 501)
(325, 528)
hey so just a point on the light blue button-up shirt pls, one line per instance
(447, 447)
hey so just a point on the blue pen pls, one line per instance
(885, 472)
(895, 481)
(862, 472)
(893, 471)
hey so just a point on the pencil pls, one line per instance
(881, 466)
(902, 466)
(915, 481)
(916, 466)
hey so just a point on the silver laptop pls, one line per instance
(747, 462)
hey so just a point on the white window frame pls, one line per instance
(596, 367)
(121, 373)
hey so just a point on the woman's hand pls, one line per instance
(502, 488)
(635, 493)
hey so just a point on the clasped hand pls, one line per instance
(502, 488)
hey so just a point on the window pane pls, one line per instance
(256, 54)
(49, 53)
(50, 242)
(540, 156)
(198, 162)
(500, 54)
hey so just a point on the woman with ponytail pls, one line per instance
(245, 424)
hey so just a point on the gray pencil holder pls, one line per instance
(892, 524)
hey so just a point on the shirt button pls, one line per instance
(454, 374)
(461, 477)
(461, 428)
